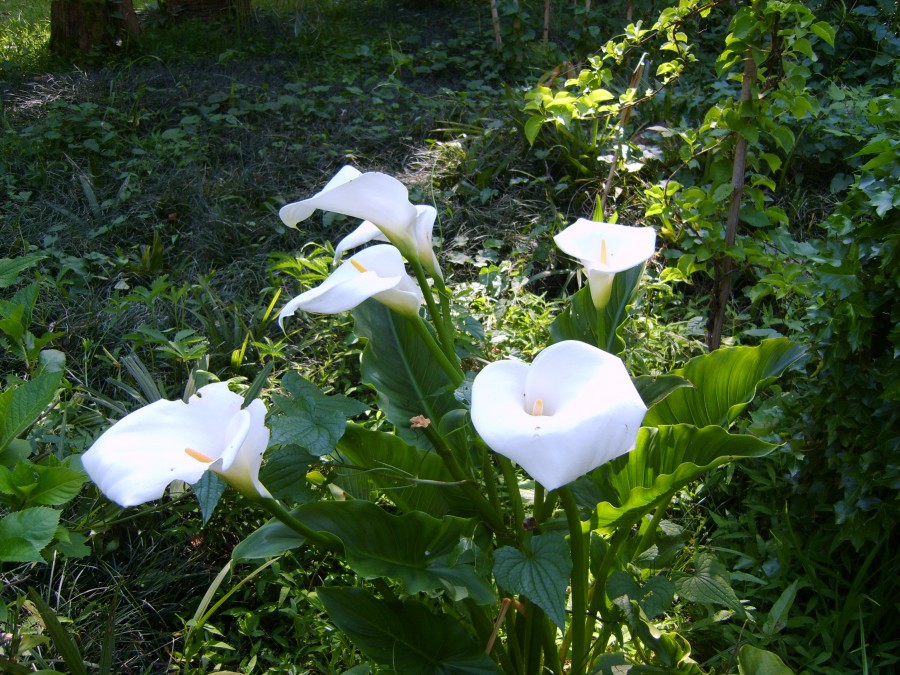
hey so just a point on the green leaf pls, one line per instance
(20, 406)
(778, 614)
(664, 460)
(54, 485)
(533, 127)
(412, 478)
(754, 661)
(403, 636)
(540, 574)
(23, 534)
(309, 418)
(654, 597)
(725, 381)
(284, 473)
(581, 320)
(653, 389)
(709, 585)
(270, 540)
(403, 371)
(824, 31)
(10, 268)
(208, 491)
(421, 552)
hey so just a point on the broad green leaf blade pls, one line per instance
(725, 381)
(421, 552)
(541, 575)
(412, 478)
(652, 389)
(404, 637)
(55, 485)
(754, 661)
(10, 268)
(709, 585)
(581, 320)
(270, 540)
(308, 417)
(664, 460)
(21, 405)
(284, 473)
(654, 597)
(404, 373)
(23, 534)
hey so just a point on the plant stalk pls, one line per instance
(579, 581)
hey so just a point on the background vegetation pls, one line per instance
(138, 223)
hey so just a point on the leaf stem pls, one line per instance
(598, 588)
(649, 533)
(440, 323)
(492, 517)
(453, 371)
(579, 581)
(323, 540)
(515, 496)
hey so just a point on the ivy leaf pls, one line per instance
(541, 574)
(708, 585)
(309, 418)
(284, 473)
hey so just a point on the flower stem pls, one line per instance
(515, 496)
(323, 540)
(453, 371)
(598, 588)
(440, 322)
(579, 581)
(492, 517)
(650, 532)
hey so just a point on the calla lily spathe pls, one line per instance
(424, 229)
(573, 409)
(604, 249)
(375, 272)
(135, 460)
(380, 200)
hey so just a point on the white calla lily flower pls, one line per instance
(573, 409)
(424, 229)
(376, 272)
(375, 197)
(134, 461)
(604, 249)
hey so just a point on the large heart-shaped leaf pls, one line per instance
(403, 637)
(413, 478)
(664, 460)
(581, 320)
(541, 575)
(725, 381)
(406, 377)
(421, 552)
(308, 417)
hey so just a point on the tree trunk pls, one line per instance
(78, 27)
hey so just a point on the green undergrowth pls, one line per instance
(141, 190)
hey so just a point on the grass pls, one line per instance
(150, 180)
